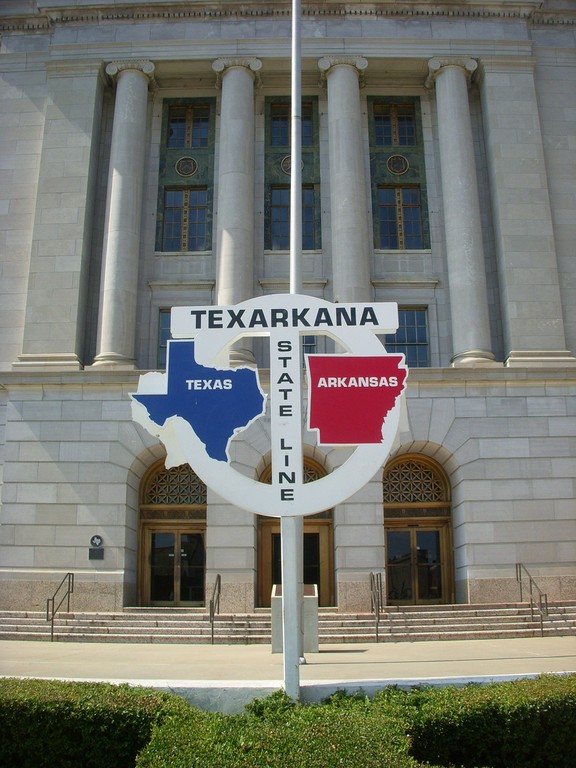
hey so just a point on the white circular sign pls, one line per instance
(284, 319)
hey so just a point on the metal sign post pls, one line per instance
(292, 528)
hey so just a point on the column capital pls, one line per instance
(327, 63)
(220, 65)
(114, 68)
(438, 63)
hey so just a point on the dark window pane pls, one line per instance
(308, 219)
(163, 336)
(177, 127)
(280, 125)
(406, 127)
(307, 124)
(172, 221)
(200, 125)
(382, 125)
(280, 218)
(411, 338)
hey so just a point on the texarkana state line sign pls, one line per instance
(200, 403)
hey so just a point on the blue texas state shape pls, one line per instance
(216, 403)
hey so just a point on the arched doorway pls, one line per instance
(318, 547)
(172, 566)
(418, 532)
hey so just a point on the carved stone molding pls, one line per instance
(141, 65)
(326, 63)
(435, 66)
(248, 62)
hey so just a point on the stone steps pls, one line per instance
(397, 624)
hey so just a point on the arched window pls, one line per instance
(416, 484)
(177, 493)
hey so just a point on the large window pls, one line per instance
(277, 174)
(400, 209)
(280, 218)
(394, 125)
(399, 217)
(280, 124)
(188, 126)
(411, 338)
(184, 222)
(185, 216)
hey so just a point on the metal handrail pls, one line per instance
(215, 604)
(540, 604)
(377, 598)
(52, 609)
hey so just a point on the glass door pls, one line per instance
(177, 565)
(318, 568)
(312, 571)
(192, 568)
(414, 565)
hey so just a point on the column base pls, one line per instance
(242, 357)
(475, 358)
(113, 360)
(540, 358)
(48, 362)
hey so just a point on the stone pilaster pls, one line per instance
(54, 329)
(118, 297)
(464, 250)
(525, 246)
(349, 205)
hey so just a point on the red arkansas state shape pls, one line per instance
(351, 395)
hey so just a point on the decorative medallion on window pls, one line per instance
(286, 165)
(186, 166)
(397, 164)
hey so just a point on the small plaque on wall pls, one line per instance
(96, 553)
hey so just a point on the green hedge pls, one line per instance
(520, 724)
(344, 732)
(46, 724)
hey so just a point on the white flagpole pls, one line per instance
(296, 155)
(291, 528)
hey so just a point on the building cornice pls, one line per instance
(50, 13)
(419, 377)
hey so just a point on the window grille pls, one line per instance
(400, 217)
(188, 126)
(177, 485)
(414, 481)
(394, 125)
(185, 216)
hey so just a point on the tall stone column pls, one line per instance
(532, 318)
(118, 296)
(464, 251)
(348, 191)
(235, 216)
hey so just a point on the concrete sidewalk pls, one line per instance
(225, 677)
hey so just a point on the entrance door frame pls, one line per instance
(173, 501)
(417, 494)
(269, 526)
(443, 526)
(179, 527)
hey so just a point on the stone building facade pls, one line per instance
(145, 163)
